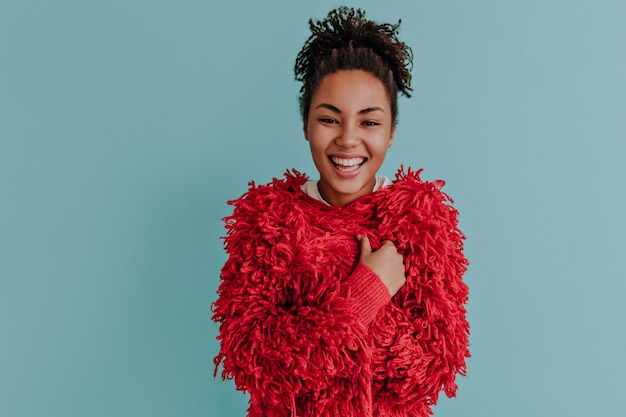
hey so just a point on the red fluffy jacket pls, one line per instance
(309, 331)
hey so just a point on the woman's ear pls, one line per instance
(305, 130)
(391, 135)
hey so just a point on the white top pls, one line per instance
(310, 187)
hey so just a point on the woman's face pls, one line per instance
(349, 129)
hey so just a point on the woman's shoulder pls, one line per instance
(277, 188)
(408, 192)
(409, 181)
(273, 200)
(272, 206)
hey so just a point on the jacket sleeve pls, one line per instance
(422, 338)
(286, 334)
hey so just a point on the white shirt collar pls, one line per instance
(310, 187)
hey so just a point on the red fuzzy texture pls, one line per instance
(308, 331)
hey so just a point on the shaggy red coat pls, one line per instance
(308, 331)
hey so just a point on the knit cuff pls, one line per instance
(367, 292)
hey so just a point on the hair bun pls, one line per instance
(345, 39)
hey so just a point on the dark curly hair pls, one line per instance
(345, 40)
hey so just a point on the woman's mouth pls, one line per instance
(347, 164)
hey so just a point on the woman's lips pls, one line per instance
(347, 164)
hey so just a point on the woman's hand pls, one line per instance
(386, 262)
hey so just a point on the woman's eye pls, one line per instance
(326, 120)
(370, 123)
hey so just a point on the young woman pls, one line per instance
(344, 296)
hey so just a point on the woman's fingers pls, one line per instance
(386, 262)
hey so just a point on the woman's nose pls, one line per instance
(348, 136)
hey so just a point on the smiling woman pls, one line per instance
(349, 128)
(343, 296)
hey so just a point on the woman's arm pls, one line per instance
(421, 339)
(289, 334)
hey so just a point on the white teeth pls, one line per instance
(348, 169)
(347, 162)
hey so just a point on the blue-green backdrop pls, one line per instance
(125, 125)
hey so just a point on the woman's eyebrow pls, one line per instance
(371, 109)
(329, 107)
(336, 110)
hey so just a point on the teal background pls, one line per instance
(126, 125)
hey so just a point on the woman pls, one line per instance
(344, 296)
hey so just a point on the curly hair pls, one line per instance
(346, 40)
